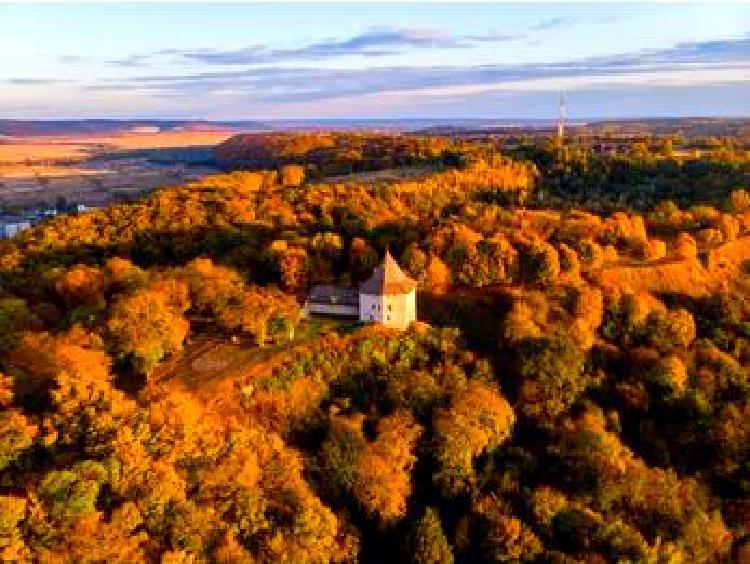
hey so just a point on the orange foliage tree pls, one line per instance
(145, 326)
(478, 419)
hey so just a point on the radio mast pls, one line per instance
(561, 114)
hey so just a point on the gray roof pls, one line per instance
(340, 295)
(388, 279)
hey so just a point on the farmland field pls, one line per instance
(98, 169)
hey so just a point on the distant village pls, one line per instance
(13, 223)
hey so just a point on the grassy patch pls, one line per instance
(208, 359)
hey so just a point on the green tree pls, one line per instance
(428, 542)
(73, 492)
(551, 371)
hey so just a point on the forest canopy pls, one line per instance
(576, 387)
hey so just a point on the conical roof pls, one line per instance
(388, 279)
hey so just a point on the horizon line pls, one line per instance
(375, 119)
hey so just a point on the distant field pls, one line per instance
(21, 155)
(96, 169)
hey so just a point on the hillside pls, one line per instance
(689, 126)
(576, 389)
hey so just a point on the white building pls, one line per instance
(12, 228)
(389, 297)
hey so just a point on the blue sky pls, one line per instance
(264, 61)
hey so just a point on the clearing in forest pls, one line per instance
(208, 364)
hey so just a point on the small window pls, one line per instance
(387, 317)
(373, 306)
(390, 307)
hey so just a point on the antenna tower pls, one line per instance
(561, 115)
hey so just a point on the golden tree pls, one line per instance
(145, 326)
(478, 419)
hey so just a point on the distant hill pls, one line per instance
(686, 127)
(22, 128)
(330, 153)
(690, 127)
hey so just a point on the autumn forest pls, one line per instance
(576, 388)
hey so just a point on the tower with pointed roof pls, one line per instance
(389, 296)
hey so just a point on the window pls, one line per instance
(390, 307)
(373, 306)
(387, 317)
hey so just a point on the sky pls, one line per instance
(376, 61)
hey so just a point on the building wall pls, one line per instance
(331, 309)
(371, 308)
(391, 310)
(9, 230)
(400, 310)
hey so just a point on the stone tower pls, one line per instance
(389, 297)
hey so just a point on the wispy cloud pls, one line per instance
(131, 61)
(372, 43)
(494, 37)
(701, 62)
(31, 81)
(71, 59)
(551, 24)
(722, 50)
